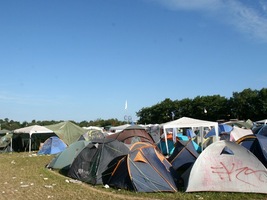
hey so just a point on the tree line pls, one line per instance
(248, 104)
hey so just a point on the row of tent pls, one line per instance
(127, 159)
(32, 137)
(139, 168)
(130, 160)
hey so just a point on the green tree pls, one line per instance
(244, 103)
(261, 104)
(210, 107)
(157, 114)
(184, 108)
(84, 123)
(144, 115)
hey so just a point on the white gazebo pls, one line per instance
(186, 122)
(34, 129)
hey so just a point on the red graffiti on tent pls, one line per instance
(241, 174)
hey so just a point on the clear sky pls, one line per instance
(82, 59)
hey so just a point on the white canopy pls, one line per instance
(31, 130)
(186, 122)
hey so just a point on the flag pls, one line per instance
(173, 115)
(126, 105)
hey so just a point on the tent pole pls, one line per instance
(217, 132)
(11, 149)
(30, 143)
(201, 137)
(166, 142)
(174, 135)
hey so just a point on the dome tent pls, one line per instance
(225, 166)
(52, 145)
(67, 131)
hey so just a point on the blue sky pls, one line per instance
(81, 60)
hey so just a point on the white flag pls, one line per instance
(126, 105)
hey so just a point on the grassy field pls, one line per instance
(24, 176)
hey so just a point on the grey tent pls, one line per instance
(96, 161)
(183, 156)
(182, 159)
(64, 159)
(6, 143)
(92, 134)
(144, 169)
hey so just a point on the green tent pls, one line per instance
(67, 131)
(64, 159)
(6, 143)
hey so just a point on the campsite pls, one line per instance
(29, 179)
(179, 159)
(124, 99)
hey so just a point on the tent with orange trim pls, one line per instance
(256, 144)
(184, 155)
(133, 134)
(97, 160)
(144, 169)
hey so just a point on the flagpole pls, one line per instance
(125, 108)
(126, 117)
(126, 105)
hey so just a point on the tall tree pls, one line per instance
(244, 104)
(261, 105)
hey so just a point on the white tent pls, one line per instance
(225, 166)
(31, 130)
(93, 128)
(237, 133)
(186, 122)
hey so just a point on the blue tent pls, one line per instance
(184, 154)
(257, 145)
(182, 137)
(162, 146)
(144, 169)
(262, 130)
(222, 128)
(52, 145)
(190, 133)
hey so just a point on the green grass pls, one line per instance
(24, 176)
